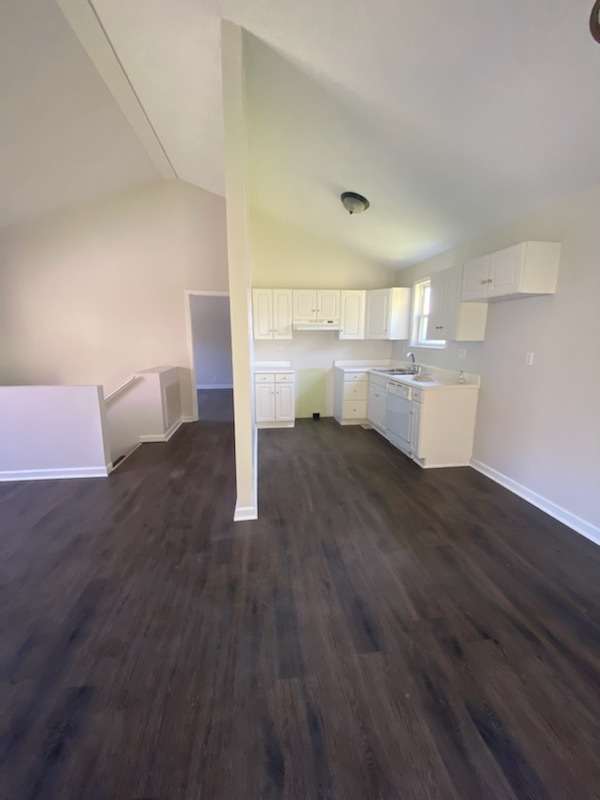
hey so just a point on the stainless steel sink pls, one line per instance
(398, 371)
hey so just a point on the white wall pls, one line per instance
(211, 336)
(95, 293)
(52, 432)
(539, 426)
(285, 257)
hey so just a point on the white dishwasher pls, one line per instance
(397, 415)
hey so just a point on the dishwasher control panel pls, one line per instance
(399, 390)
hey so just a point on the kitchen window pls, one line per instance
(421, 317)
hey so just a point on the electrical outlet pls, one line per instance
(529, 359)
(462, 353)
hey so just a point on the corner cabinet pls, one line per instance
(274, 399)
(272, 313)
(529, 268)
(450, 318)
(387, 314)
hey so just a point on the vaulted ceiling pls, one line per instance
(451, 118)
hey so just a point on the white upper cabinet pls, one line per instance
(272, 313)
(313, 304)
(328, 304)
(528, 268)
(475, 277)
(305, 304)
(449, 318)
(387, 314)
(352, 314)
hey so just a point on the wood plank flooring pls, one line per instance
(381, 632)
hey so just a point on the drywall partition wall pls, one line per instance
(538, 429)
(97, 292)
(318, 350)
(284, 256)
(239, 271)
(52, 432)
(211, 341)
(146, 409)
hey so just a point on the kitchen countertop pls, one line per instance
(275, 367)
(411, 380)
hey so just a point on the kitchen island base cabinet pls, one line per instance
(442, 426)
(274, 400)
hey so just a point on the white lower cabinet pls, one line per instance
(350, 390)
(274, 399)
(376, 407)
(442, 426)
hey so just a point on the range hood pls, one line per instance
(316, 325)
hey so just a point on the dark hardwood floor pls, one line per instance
(381, 632)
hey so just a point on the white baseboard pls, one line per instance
(582, 526)
(162, 437)
(189, 419)
(54, 474)
(250, 512)
(245, 512)
(214, 386)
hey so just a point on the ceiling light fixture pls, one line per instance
(355, 203)
(595, 21)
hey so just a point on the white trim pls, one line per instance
(214, 386)
(189, 419)
(250, 512)
(189, 334)
(88, 27)
(55, 474)
(162, 437)
(582, 526)
(245, 513)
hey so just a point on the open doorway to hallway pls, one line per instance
(209, 333)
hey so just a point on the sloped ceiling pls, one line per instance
(64, 139)
(452, 118)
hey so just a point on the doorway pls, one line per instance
(209, 342)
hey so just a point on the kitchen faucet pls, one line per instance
(412, 358)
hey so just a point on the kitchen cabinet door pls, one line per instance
(451, 319)
(415, 429)
(282, 314)
(438, 313)
(262, 313)
(377, 407)
(328, 304)
(376, 326)
(265, 402)
(505, 271)
(476, 274)
(284, 402)
(352, 314)
(305, 304)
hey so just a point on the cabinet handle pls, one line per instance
(489, 280)
(482, 281)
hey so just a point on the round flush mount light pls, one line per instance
(355, 203)
(595, 21)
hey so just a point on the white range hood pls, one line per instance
(316, 325)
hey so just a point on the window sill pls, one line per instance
(429, 346)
